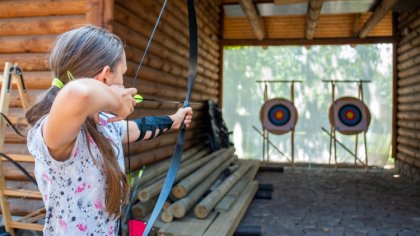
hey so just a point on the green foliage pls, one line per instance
(243, 97)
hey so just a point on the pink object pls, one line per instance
(136, 227)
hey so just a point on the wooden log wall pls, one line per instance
(165, 69)
(29, 27)
(408, 95)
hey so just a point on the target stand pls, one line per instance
(348, 116)
(278, 116)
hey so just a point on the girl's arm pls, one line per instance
(176, 118)
(74, 103)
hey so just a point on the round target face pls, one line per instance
(278, 116)
(349, 115)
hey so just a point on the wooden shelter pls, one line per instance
(29, 27)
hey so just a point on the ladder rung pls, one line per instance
(30, 226)
(20, 158)
(22, 193)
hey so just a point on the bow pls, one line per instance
(179, 147)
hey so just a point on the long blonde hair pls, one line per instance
(85, 52)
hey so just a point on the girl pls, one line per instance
(78, 131)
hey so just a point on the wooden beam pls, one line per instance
(376, 17)
(254, 19)
(312, 17)
(304, 42)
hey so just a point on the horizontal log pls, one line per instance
(26, 44)
(408, 115)
(414, 51)
(410, 71)
(410, 142)
(182, 17)
(138, 25)
(406, 38)
(27, 61)
(141, 209)
(413, 161)
(28, 8)
(35, 79)
(405, 66)
(412, 152)
(172, 24)
(155, 62)
(408, 133)
(413, 89)
(412, 80)
(409, 107)
(39, 25)
(409, 98)
(405, 19)
(411, 41)
(409, 124)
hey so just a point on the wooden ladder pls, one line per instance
(9, 79)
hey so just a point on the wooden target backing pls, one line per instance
(349, 115)
(278, 116)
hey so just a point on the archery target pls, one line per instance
(349, 115)
(278, 116)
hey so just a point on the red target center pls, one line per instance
(279, 115)
(350, 115)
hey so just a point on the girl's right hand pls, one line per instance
(125, 100)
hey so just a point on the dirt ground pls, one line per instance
(323, 201)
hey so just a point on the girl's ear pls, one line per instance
(103, 75)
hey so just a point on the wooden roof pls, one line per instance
(270, 22)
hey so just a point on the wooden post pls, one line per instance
(4, 108)
(292, 138)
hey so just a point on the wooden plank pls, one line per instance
(29, 226)
(188, 226)
(21, 193)
(226, 223)
(25, 44)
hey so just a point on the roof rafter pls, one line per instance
(312, 17)
(253, 17)
(376, 17)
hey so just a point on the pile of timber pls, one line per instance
(211, 194)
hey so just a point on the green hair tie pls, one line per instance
(69, 75)
(57, 83)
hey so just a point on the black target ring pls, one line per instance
(279, 115)
(350, 115)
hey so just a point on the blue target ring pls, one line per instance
(279, 115)
(350, 115)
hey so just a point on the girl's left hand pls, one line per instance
(179, 116)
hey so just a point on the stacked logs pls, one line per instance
(203, 180)
(408, 89)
